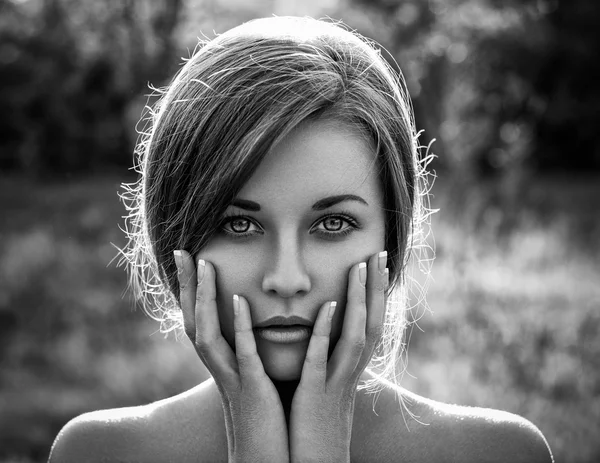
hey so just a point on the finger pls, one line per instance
(350, 346)
(387, 279)
(387, 289)
(314, 370)
(210, 343)
(376, 287)
(249, 364)
(187, 292)
(201, 321)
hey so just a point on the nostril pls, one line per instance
(285, 273)
(286, 283)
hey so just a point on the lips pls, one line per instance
(284, 330)
(280, 320)
(284, 334)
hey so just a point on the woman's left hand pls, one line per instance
(320, 426)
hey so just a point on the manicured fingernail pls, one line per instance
(362, 273)
(201, 268)
(236, 305)
(332, 306)
(177, 255)
(382, 261)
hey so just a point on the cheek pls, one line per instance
(239, 270)
(235, 274)
(331, 263)
(330, 269)
(331, 272)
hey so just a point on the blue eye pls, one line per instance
(240, 226)
(335, 226)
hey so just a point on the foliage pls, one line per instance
(508, 88)
(505, 87)
(514, 325)
(71, 71)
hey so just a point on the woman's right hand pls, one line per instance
(254, 417)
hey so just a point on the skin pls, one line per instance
(292, 257)
(271, 403)
(288, 270)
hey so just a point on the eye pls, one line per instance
(333, 223)
(240, 226)
(335, 226)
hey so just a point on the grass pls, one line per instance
(514, 324)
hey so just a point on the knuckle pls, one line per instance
(246, 361)
(358, 344)
(200, 298)
(242, 330)
(319, 364)
(374, 332)
(380, 286)
(320, 335)
(184, 282)
(202, 347)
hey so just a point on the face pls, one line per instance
(312, 210)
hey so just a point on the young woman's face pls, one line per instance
(311, 210)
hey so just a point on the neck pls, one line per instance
(286, 390)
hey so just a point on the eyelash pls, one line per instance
(353, 225)
(345, 217)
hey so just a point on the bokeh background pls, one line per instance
(509, 90)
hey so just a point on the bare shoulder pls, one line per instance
(421, 429)
(487, 435)
(179, 428)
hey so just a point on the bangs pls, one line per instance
(236, 98)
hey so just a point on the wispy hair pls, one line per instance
(235, 98)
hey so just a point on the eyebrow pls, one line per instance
(320, 205)
(246, 204)
(330, 201)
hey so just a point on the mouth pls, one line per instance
(284, 322)
(284, 334)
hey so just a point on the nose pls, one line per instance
(286, 273)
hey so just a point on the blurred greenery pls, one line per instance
(508, 89)
(503, 86)
(515, 318)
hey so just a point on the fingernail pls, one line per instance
(236, 305)
(177, 255)
(332, 306)
(200, 270)
(382, 261)
(362, 273)
(387, 278)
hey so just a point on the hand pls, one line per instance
(323, 404)
(254, 417)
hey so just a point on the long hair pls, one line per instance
(233, 100)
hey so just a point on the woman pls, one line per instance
(278, 204)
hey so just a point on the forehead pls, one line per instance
(315, 160)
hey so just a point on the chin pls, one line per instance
(283, 376)
(283, 363)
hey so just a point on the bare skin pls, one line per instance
(288, 249)
(309, 419)
(190, 427)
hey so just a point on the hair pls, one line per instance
(233, 100)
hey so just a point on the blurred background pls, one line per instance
(509, 90)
